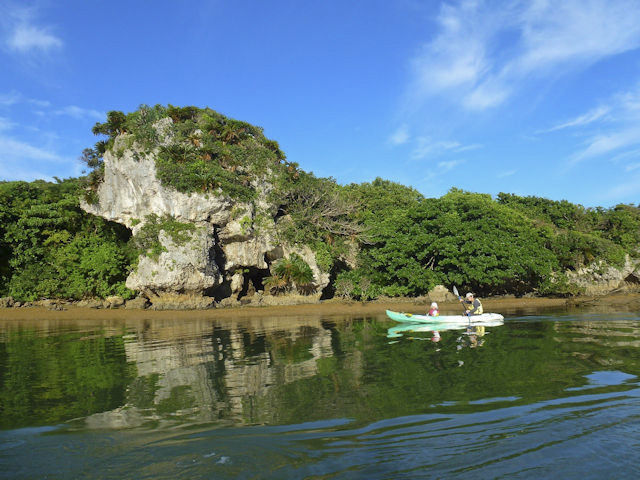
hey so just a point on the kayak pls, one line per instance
(443, 319)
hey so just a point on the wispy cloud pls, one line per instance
(629, 187)
(482, 55)
(399, 137)
(15, 98)
(6, 124)
(27, 38)
(599, 145)
(24, 34)
(31, 136)
(15, 149)
(632, 166)
(80, 113)
(448, 165)
(11, 98)
(426, 147)
(612, 130)
(582, 120)
(507, 173)
(576, 31)
(439, 170)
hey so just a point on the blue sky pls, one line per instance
(527, 97)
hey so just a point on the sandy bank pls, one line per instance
(506, 306)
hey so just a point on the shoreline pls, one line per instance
(509, 305)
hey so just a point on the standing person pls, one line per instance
(471, 305)
(434, 311)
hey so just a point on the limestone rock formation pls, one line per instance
(223, 254)
(601, 279)
(440, 293)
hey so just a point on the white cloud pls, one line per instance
(486, 95)
(577, 31)
(399, 137)
(484, 53)
(448, 165)
(24, 160)
(632, 166)
(608, 143)
(80, 113)
(626, 189)
(582, 120)
(11, 98)
(27, 38)
(23, 34)
(16, 171)
(15, 149)
(456, 57)
(426, 147)
(612, 130)
(507, 173)
(6, 124)
(40, 103)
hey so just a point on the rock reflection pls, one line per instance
(202, 372)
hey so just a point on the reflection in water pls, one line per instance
(320, 397)
(214, 373)
(470, 328)
(472, 337)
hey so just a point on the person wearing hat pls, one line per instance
(471, 304)
(434, 311)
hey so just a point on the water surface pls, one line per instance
(320, 396)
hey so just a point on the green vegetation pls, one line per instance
(147, 241)
(289, 273)
(45, 380)
(206, 152)
(374, 239)
(509, 245)
(50, 248)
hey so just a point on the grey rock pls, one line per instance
(138, 303)
(6, 302)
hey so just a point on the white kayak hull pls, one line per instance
(445, 319)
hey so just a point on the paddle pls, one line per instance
(455, 292)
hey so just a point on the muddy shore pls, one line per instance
(504, 305)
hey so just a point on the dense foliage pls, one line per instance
(50, 248)
(509, 245)
(289, 273)
(201, 150)
(198, 150)
(377, 238)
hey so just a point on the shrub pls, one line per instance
(288, 273)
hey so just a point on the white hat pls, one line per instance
(469, 295)
(434, 304)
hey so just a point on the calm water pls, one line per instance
(553, 395)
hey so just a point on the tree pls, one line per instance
(52, 249)
(288, 273)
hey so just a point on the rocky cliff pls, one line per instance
(224, 248)
(599, 278)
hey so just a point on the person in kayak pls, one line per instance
(471, 305)
(434, 311)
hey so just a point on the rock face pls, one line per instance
(440, 293)
(184, 268)
(224, 255)
(601, 279)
